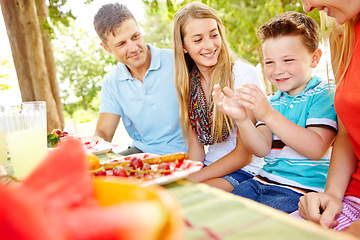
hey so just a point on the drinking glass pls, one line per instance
(26, 136)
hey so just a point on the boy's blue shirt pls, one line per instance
(314, 106)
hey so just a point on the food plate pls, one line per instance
(190, 167)
(92, 144)
(96, 146)
(175, 170)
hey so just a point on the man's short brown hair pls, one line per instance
(109, 17)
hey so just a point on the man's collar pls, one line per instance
(155, 57)
(124, 73)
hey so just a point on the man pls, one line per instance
(140, 89)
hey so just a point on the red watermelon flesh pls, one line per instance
(57, 201)
(21, 219)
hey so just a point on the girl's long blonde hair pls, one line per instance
(341, 39)
(221, 73)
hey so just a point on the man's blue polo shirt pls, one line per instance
(149, 110)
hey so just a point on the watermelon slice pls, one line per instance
(21, 219)
(58, 201)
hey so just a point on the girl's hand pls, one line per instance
(320, 208)
(252, 98)
(228, 103)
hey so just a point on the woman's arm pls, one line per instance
(323, 207)
(342, 164)
(196, 152)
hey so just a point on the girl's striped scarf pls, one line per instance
(201, 113)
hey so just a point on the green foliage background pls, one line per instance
(5, 65)
(241, 19)
(82, 64)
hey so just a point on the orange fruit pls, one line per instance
(93, 161)
(116, 191)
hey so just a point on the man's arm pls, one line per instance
(106, 125)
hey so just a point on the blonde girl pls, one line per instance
(203, 59)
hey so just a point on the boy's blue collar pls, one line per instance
(314, 81)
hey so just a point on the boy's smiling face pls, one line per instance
(288, 63)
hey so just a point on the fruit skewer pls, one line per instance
(155, 160)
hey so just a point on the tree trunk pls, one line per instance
(33, 56)
(43, 13)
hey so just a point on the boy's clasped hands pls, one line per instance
(238, 104)
(246, 103)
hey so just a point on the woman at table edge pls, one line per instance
(342, 192)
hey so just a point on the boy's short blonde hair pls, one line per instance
(292, 24)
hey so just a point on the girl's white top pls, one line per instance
(243, 73)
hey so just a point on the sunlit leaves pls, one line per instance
(157, 27)
(5, 67)
(81, 65)
(241, 19)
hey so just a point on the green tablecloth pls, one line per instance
(214, 214)
(210, 213)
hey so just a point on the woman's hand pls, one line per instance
(320, 208)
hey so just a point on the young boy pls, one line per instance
(295, 130)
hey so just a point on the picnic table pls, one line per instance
(210, 213)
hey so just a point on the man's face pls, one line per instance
(128, 45)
